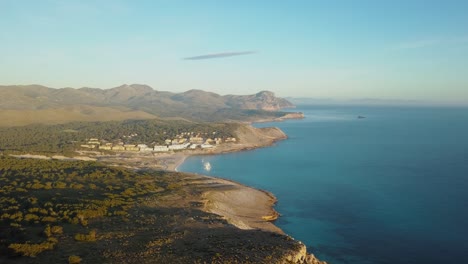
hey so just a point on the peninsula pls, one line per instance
(109, 192)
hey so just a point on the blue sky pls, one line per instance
(416, 50)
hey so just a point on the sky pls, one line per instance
(399, 49)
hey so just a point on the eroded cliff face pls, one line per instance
(301, 256)
(264, 100)
(296, 115)
(259, 137)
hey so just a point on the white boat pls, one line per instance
(207, 166)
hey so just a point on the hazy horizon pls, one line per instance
(304, 100)
(399, 50)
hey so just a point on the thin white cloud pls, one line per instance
(219, 55)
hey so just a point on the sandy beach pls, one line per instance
(242, 206)
(246, 208)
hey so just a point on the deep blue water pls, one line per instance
(390, 188)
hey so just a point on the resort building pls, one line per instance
(196, 140)
(161, 148)
(144, 148)
(131, 148)
(88, 146)
(193, 146)
(106, 147)
(209, 141)
(94, 141)
(179, 146)
(178, 141)
(118, 148)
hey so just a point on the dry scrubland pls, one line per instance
(36, 104)
(13, 117)
(59, 211)
(132, 207)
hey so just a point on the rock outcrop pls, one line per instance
(296, 115)
(259, 137)
(301, 256)
(264, 100)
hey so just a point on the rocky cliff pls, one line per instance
(301, 256)
(264, 100)
(40, 97)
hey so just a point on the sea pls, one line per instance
(388, 188)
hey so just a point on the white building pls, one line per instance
(230, 139)
(161, 148)
(205, 146)
(179, 146)
(144, 148)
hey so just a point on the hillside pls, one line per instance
(67, 211)
(29, 104)
(17, 117)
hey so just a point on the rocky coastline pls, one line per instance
(241, 206)
(249, 208)
(291, 115)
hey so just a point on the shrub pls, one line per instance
(31, 250)
(31, 217)
(57, 230)
(73, 259)
(47, 231)
(91, 237)
(49, 219)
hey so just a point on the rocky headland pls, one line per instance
(240, 207)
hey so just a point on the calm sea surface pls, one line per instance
(390, 188)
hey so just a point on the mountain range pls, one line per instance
(26, 104)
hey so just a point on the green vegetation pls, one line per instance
(43, 202)
(91, 237)
(66, 138)
(73, 211)
(74, 259)
(32, 250)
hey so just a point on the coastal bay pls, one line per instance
(359, 190)
(236, 206)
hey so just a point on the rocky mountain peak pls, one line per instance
(265, 94)
(193, 104)
(142, 88)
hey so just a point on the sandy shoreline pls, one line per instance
(246, 207)
(241, 205)
(178, 163)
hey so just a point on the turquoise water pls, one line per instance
(390, 188)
